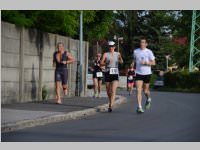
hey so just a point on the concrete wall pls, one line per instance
(27, 56)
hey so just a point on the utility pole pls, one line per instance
(167, 60)
(194, 59)
(80, 54)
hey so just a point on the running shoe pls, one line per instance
(99, 95)
(109, 109)
(95, 95)
(148, 103)
(139, 110)
(58, 102)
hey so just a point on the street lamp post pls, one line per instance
(167, 58)
(118, 39)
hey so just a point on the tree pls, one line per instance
(157, 26)
(65, 22)
(101, 25)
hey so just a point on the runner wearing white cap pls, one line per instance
(143, 58)
(110, 60)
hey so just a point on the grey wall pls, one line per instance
(27, 63)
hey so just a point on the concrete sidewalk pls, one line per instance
(19, 116)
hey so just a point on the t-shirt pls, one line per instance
(143, 55)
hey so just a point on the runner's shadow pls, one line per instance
(33, 84)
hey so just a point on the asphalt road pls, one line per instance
(173, 117)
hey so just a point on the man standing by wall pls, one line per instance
(60, 60)
(143, 58)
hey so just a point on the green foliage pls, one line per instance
(44, 93)
(155, 25)
(153, 79)
(96, 24)
(99, 25)
(58, 21)
(17, 17)
(183, 80)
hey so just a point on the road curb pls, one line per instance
(8, 127)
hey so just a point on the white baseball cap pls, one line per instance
(111, 43)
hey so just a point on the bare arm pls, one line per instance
(103, 60)
(54, 60)
(120, 59)
(54, 64)
(151, 63)
(133, 62)
(70, 60)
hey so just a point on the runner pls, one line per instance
(110, 60)
(130, 78)
(97, 76)
(143, 59)
(60, 60)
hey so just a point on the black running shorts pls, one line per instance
(144, 78)
(111, 77)
(94, 75)
(61, 75)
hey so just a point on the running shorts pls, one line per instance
(131, 84)
(61, 75)
(95, 75)
(111, 77)
(144, 78)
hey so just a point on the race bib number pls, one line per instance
(99, 74)
(114, 71)
(130, 77)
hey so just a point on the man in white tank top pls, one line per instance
(143, 58)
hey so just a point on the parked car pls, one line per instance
(159, 82)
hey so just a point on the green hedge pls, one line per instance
(153, 79)
(183, 80)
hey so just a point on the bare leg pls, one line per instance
(108, 89)
(113, 95)
(58, 85)
(132, 87)
(95, 85)
(146, 90)
(129, 89)
(139, 84)
(65, 89)
(99, 86)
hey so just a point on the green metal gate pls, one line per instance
(194, 60)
